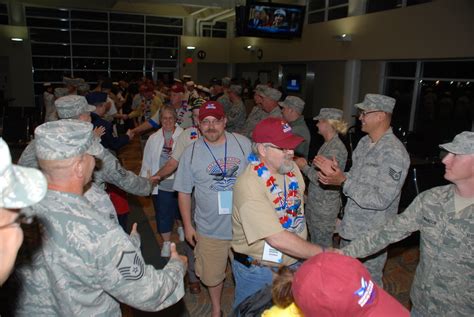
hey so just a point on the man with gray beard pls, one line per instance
(269, 227)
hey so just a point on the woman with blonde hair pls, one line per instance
(324, 202)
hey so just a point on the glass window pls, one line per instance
(3, 8)
(48, 23)
(52, 62)
(91, 76)
(402, 91)
(126, 64)
(316, 4)
(160, 40)
(89, 15)
(89, 50)
(45, 35)
(90, 63)
(159, 63)
(162, 53)
(414, 2)
(450, 69)
(163, 30)
(127, 27)
(89, 37)
(46, 12)
(131, 75)
(50, 75)
(316, 17)
(333, 3)
(164, 21)
(219, 33)
(121, 51)
(377, 5)
(337, 13)
(120, 17)
(401, 69)
(3, 19)
(89, 25)
(126, 39)
(50, 49)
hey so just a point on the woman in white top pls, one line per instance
(157, 152)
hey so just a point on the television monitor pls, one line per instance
(273, 20)
(293, 84)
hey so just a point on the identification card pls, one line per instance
(271, 254)
(225, 202)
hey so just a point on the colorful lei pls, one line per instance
(286, 209)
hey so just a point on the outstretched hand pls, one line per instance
(175, 255)
(99, 131)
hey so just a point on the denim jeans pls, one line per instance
(249, 280)
(166, 210)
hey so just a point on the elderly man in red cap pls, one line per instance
(269, 227)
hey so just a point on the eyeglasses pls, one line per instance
(365, 113)
(213, 122)
(20, 219)
(278, 148)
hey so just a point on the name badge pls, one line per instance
(224, 199)
(271, 254)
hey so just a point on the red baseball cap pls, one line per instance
(276, 131)
(334, 285)
(177, 88)
(211, 108)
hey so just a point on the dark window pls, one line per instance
(401, 69)
(89, 15)
(126, 64)
(52, 62)
(45, 12)
(120, 51)
(163, 30)
(131, 75)
(133, 18)
(88, 50)
(337, 13)
(3, 19)
(316, 17)
(50, 49)
(402, 91)
(91, 76)
(89, 37)
(157, 40)
(460, 69)
(158, 63)
(219, 33)
(126, 39)
(164, 21)
(377, 5)
(161, 53)
(47, 23)
(44, 35)
(3, 8)
(316, 4)
(127, 27)
(415, 2)
(89, 25)
(333, 3)
(90, 63)
(50, 75)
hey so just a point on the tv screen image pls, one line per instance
(270, 20)
(293, 84)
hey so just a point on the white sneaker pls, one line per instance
(165, 250)
(181, 233)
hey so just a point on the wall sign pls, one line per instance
(201, 55)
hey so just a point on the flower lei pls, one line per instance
(286, 210)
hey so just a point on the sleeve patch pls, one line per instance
(394, 174)
(131, 266)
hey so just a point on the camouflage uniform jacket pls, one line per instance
(445, 273)
(373, 184)
(84, 266)
(111, 171)
(300, 128)
(236, 117)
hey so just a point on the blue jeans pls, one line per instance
(166, 210)
(249, 280)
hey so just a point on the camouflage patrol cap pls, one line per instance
(269, 92)
(60, 92)
(63, 139)
(293, 102)
(377, 102)
(259, 88)
(19, 186)
(329, 114)
(73, 81)
(237, 89)
(463, 143)
(71, 106)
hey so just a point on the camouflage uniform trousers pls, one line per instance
(374, 263)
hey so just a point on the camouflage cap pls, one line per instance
(329, 113)
(269, 92)
(293, 102)
(73, 81)
(237, 89)
(259, 88)
(60, 92)
(463, 143)
(226, 81)
(377, 102)
(63, 139)
(19, 186)
(71, 106)
(83, 88)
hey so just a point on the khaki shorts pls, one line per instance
(211, 259)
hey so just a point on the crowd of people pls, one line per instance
(234, 186)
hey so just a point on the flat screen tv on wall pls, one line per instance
(272, 20)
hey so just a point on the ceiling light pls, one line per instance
(190, 47)
(17, 39)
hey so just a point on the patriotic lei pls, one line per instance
(286, 210)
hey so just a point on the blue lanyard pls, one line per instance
(225, 157)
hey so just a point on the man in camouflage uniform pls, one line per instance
(84, 265)
(373, 185)
(444, 217)
(110, 170)
(237, 112)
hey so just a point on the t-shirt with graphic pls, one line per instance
(203, 169)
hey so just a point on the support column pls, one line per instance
(351, 89)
